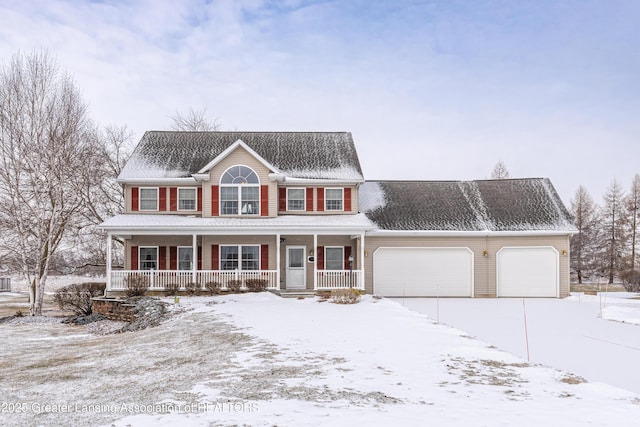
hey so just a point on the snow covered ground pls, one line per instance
(567, 334)
(258, 359)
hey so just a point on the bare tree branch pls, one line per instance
(500, 171)
(194, 120)
(46, 142)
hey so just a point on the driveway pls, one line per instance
(565, 334)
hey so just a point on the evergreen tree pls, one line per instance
(584, 244)
(632, 206)
(613, 230)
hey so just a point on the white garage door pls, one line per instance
(527, 272)
(423, 272)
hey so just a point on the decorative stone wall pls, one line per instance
(114, 309)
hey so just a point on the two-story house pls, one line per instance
(293, 208)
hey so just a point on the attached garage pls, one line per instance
(423, 272)
(527, 272)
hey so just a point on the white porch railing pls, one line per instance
(159, 279)
(339, 279)
(226, 277)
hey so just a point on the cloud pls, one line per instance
(430, 90)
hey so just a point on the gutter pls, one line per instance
(481, 233)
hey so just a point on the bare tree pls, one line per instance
(584, 244)
(632, 205)
(500, 171)
(103, 198)
(613, 230)
(46, 142)
(194, 120)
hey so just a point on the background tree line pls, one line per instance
(607, 239)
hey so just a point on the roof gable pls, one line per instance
(303, 155)
(233, 147)
(486, 205)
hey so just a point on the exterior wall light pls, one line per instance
(485, 253)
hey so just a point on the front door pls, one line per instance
(296, 270)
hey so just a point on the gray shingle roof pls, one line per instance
(307, 155)
(488, 205)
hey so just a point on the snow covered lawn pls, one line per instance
(258, 359)
(567, 334)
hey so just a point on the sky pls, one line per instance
(430, 90)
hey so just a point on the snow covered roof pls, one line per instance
(284, 224)
(305, 155)
(488, 205)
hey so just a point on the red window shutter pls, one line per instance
(162, 199)
(320, 199)
(162, 258)
(309, 199)
(320, 257)
(347, 254)
(215, 204)
(264, 257)
(264, 200)
(347, 199)
(200, 199)
(173, 257)
(134, 257)
(134, 199)
(282, 199)
(199, 257)
(173, 198)
(215, 257)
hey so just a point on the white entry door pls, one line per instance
(296, 267)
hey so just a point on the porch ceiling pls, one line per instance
(284, 224)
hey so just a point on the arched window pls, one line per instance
(239, 191)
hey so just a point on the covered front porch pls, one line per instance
(309, 258)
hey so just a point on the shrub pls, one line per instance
(77, 297)
(192, 288)
(213, 287)
(171, 289)
(345, 296)
(137, 285)
(631, 280)
(234, 285)
(256, 285)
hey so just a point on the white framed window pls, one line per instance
(334, 258)
(333, 199)
(239, 191)
(187, 199)
(148, 257)
(185, 258)
(296, 199)
(148, 199)
(239, 257)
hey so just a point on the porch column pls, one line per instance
(109, 248)
(194, 257)
(362, 259)
(278, 260)
(315, 261)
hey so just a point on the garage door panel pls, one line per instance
(423, 272)
(527, 272)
